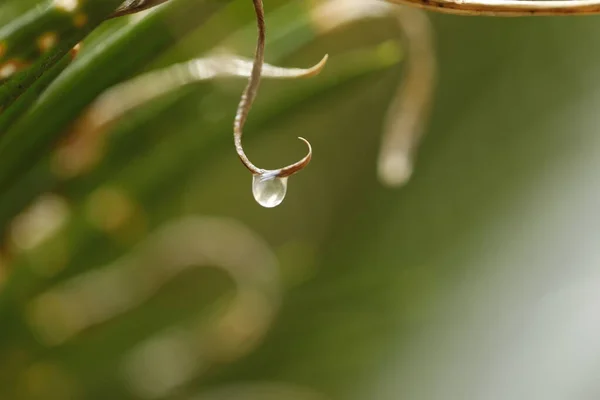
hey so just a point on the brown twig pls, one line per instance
(507, 8)
(135, 6)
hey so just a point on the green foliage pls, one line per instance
(148, 166)
(357, 292)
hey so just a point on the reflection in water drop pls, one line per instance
(268, 190)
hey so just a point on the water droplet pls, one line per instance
(269, 191)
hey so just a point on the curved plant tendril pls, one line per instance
(409, 110)
(407, 116)
(70, 309)
(268, 186)
(246, 104)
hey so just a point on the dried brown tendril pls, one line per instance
(507, 8)
(246, 104)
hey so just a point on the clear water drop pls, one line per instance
(269, 191)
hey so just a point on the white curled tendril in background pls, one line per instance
(169, 359)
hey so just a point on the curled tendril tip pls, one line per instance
(248, 97)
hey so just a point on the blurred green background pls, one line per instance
(476, 280)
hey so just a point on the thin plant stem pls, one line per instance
(506, 8)
(246, 104)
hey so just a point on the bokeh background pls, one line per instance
(155, 275)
